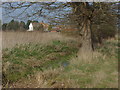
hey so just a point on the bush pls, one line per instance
(103, 31)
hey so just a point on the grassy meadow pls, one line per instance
(52, 60)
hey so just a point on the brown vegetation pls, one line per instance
(10, 39)
(85, 70)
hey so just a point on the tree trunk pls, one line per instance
(86, 38)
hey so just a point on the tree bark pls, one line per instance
(86, 38)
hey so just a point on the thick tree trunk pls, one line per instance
(86, 38)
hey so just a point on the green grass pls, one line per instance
(101, 72)
(57, 63)
(45, 56)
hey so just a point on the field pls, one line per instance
(52, 60)
(10, 39)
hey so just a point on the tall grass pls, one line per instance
(10, 39)
(54, 61)
(25, 60)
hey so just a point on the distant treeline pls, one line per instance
(16, 25)
(100, 30)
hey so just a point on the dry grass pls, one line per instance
(88, 57)
(100, 67)
(89, 70)
(10, 39)
(92, 72)
(44, 79)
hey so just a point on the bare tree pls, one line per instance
(84, 14)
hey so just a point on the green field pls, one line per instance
(59, 65)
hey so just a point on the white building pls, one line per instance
(30, 27)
